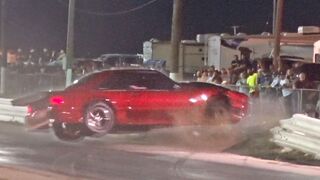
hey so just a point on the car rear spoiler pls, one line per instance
(26, 100)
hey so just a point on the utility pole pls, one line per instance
(235, 29)
(274, 17)
(277, 35)
(3, 47)
(70, 42)
(176, 31)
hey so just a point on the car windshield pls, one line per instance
(82, 80)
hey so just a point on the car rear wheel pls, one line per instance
(67, 132)
(99, 118)
(218, 111)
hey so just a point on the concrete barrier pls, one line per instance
(300, 132)
(11, 113)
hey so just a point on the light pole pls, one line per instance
(235, 29)
(70, 42)
(3, 47)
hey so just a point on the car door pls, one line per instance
(155, 99)
(115, 88)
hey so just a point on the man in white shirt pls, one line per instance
(286, 84)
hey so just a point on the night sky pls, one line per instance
(43, 23)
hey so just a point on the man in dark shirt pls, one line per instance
(236, 62)
(308, 97)
(303, 83)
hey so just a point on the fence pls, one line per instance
(305, 101)
(299, 132)
(22, 84)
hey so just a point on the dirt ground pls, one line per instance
(16, 173)
(260, 146)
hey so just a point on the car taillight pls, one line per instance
(29, 109)
(56, 100)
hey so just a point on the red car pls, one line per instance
(98, 102)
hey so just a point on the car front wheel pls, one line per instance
(67, 132)
(218, 111)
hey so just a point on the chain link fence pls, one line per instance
(23, 84)
(305, 101)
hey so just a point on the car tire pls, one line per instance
(218, 110)
(99, 119)
(67, 132)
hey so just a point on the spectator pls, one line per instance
(53, 56)
(303, 83)
(236, 62)
(246, 60)
(20, 56)
(204, 76)
(252, 82)
(233, 76)
(225, 76)
(264, 81)
(242, 83)
(198, 75)
(32, 57)
(217, 80)
(44, 57)
(211, 74)
(309, 97)
(297, 69)
(275, 84)
(287, 93)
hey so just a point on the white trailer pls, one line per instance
(191, 54)
(218, 55)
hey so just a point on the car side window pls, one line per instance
(156, 81)
(116, 82)
(137, 81)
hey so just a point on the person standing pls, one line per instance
(307, 93)
(44, 57)
(252, 82)
(204, 76)
(286, 83)
(235, 62)
(242, 83)
(211, 74)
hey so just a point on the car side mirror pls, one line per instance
(176, 87)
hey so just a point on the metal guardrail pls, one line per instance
(11, 113)
(300, 133)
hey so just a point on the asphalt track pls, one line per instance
(113, 157)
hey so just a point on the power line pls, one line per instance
(117, 13)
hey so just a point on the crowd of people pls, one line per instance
(259, 78)
(32, 60)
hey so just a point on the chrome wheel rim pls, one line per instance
(99, 119)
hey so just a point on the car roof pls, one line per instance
(115, 54)
(120, 55)
(127, 69)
